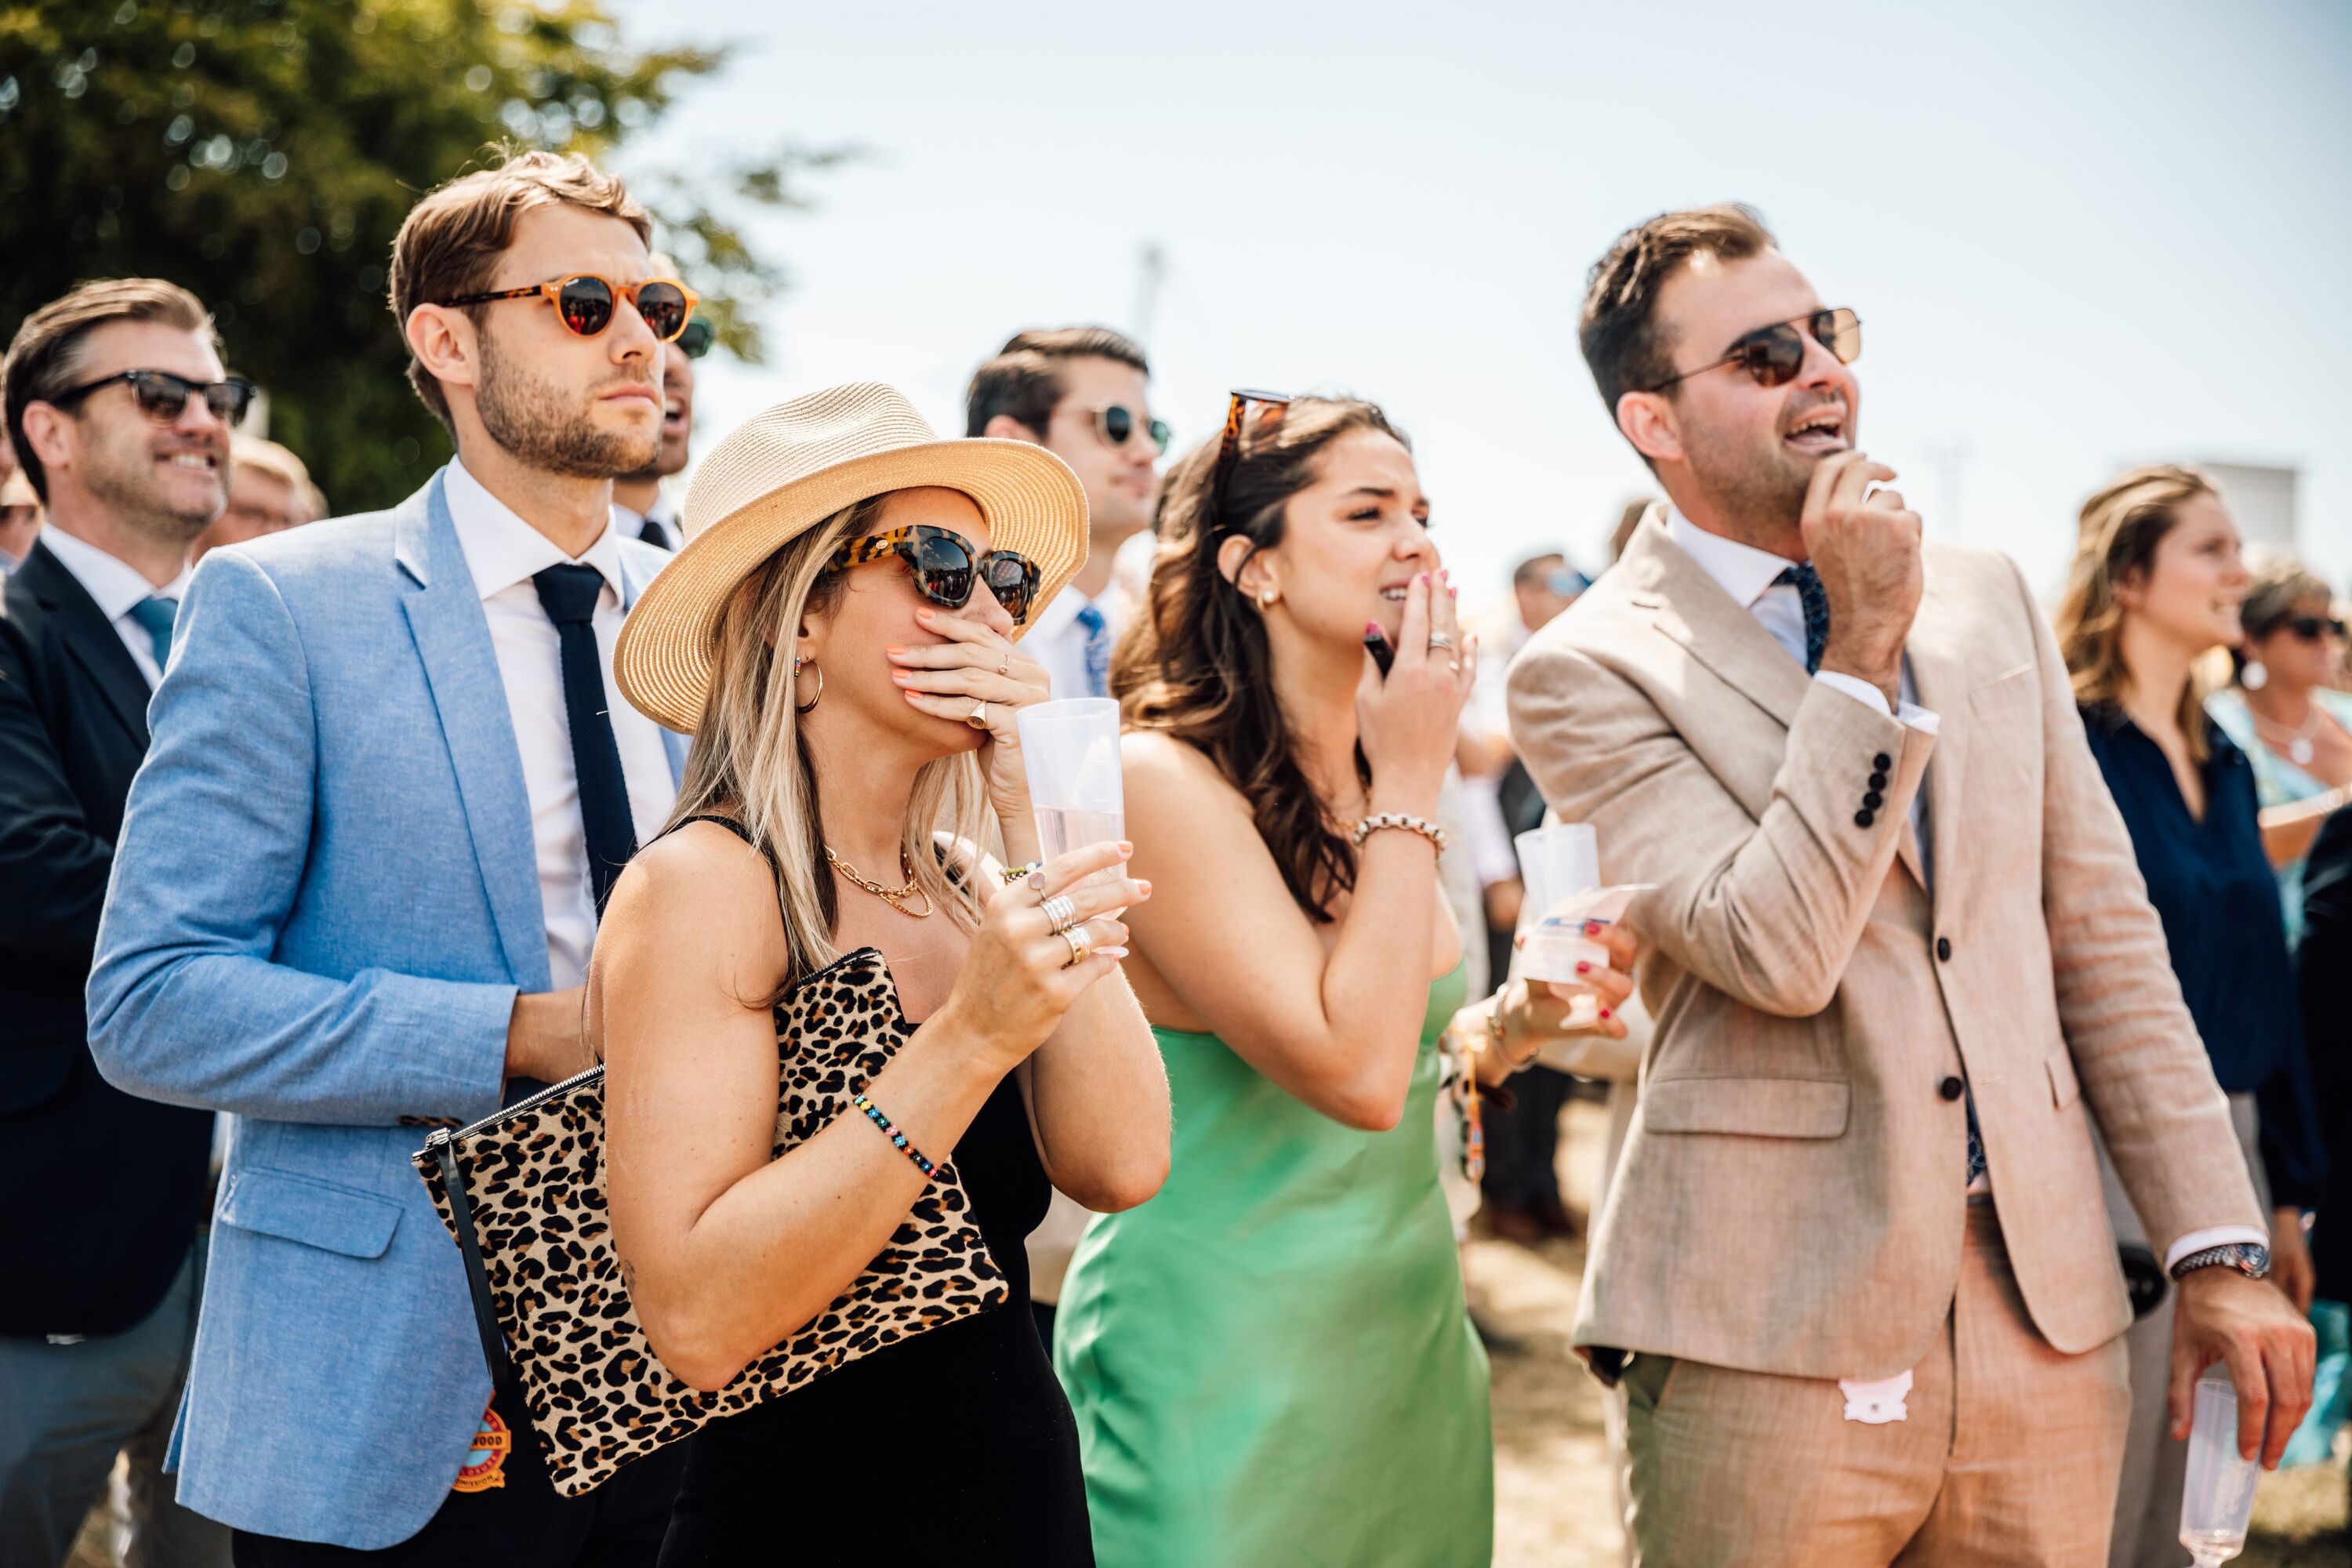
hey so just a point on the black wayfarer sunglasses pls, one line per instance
(1774, 354)
(163, 397)
(2311, 628)
(944, 568)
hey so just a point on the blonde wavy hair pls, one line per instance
(748, 760)
(2121, 526)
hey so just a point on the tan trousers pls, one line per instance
(2009, 1454)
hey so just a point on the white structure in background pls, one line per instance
(2262, 501)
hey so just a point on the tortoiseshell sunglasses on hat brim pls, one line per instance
(944, 568)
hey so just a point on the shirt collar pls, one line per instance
(1741, 570)
(662, 512)
(502, 549)
(1063, 613)
(114, 584)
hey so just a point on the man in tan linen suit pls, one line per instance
(1838, 980)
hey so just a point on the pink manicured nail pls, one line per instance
(1583, 967)
(1372, 628)
(1604, 1011)
(1422, 579)
(1592, 927)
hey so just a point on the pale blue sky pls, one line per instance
(2078, 235)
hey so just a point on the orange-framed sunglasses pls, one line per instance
(585, 302)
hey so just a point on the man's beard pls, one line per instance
(1762, 492)
(126, 482)
(529, 418)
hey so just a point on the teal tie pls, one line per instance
(154, 616)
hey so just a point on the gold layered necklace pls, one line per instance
(889, 895)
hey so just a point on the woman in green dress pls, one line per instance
(1271, 1362)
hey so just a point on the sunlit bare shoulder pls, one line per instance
(1166, 779)
(695, 907)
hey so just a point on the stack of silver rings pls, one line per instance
(1063, 914)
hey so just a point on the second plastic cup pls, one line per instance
(1557, 863)
(1070, 748)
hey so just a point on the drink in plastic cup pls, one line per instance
(1070, 749)
(2218, 1498)
(1555, 864)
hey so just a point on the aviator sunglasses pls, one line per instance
(163, 397)
(1772, 355)
(1116, 425)
(585, 302)
(944, 568)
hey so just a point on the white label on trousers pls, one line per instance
(1878, 1403)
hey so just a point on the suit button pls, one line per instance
(1881, 762)
(1865, 817)
(1878, 781)
(1944, 948)
(1951, 1089)
(1874, 800)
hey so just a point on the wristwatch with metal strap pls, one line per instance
(2249, 1259)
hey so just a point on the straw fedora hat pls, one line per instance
(784, 471)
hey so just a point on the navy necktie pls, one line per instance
(154, 615)
(652, 533)
(570, 594)
(1097, 650)
(1808, 583)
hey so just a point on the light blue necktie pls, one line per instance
(1097, 650)
(154, 615)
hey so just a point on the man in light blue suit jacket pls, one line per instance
(351, 900)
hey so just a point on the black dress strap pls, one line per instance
(728, 823)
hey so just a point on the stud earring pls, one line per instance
(2255, 676)
(1265, 600)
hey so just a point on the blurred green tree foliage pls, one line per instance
(262, 153)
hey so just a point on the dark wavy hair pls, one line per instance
(1195, 664)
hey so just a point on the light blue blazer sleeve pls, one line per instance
(185, 1003)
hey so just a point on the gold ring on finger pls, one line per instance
(978, 717)
(1081, 944)
(1060, 913)
(1007, 663)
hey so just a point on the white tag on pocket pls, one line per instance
(1876, 1403)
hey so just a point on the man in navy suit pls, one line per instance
(116, 396)
(357, 884)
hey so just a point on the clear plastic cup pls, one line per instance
(1070, 750)
(1555, 863)
(2218, 1498)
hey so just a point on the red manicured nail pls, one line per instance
(1604, 1011)
(1592, 927)
(1583, 967)
(1371, 628)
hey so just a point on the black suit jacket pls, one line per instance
(100, 1195)
(2324, 974)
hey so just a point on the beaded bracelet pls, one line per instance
(1420, 825)
(1015, 874)
(898, 1139)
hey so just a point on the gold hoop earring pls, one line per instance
(800, 707)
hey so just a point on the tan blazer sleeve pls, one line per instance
(2136, 1052)
(1767, 910)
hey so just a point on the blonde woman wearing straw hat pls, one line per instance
(840, 634)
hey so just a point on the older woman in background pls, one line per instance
(2156, 584)
(2282, 711)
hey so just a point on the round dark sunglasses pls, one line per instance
(163, 397)
(944, 569)
(697, 337)
(585, 302)
(1774, 354)
(1116, 425)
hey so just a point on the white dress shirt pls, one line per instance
(663, 514)
(116, 586)
(1059, 643)
(502, 552)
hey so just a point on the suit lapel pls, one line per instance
(453, 640)
(1720, 633)
(90, 639)
(1937, 650)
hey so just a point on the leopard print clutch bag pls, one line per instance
(522, 1193)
